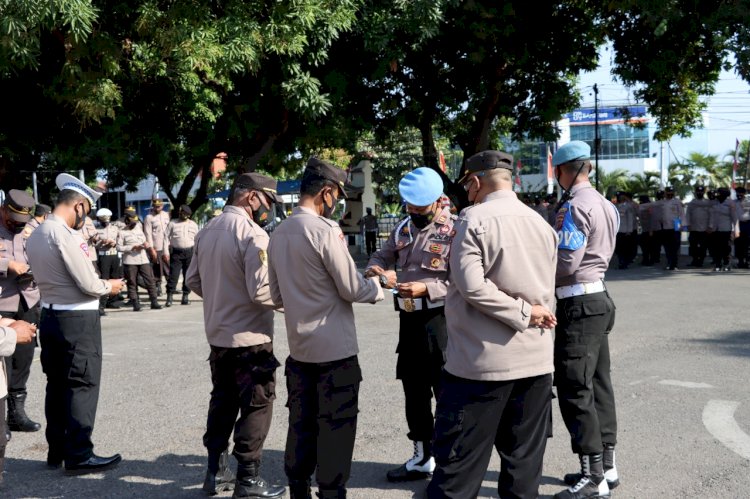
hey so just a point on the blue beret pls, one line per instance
(572, 151)
(421, 187)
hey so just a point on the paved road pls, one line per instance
(681, 365)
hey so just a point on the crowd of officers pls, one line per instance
(717, 226)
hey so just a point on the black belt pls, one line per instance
(182, 250)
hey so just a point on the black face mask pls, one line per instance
(262, 216)
(185, 217)
(328, 211)
(699, 195)
(421, 220)
(80, 219)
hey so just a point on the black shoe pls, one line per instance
(185, 299)
(113, 305)
(169, 300)
(585, 488)
(17, 418)
(250, 484)
(102, 313)
(155, 305)
(137, 306)
(94, 464)
(54, 462)
(219, 481)
(401, 474)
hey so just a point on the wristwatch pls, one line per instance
(383, 280)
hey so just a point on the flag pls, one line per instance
(550, 173)
(517, 187)
(734, 165)
(441, 162)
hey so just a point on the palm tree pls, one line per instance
(706, 169)
(611, 182)
(643, 183)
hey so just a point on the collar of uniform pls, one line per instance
(237, 210)
(499, 195)
(581, 186)
(56, 219)
(304, 209)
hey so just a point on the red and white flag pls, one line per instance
(517, 187)
(550, 173)
(734, 165)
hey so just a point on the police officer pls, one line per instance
(742, 241)
(497, 382)
(722, 226)
(12, 335)
(626, 245)
(19, 300)
(229, 269)
(41, 212)
(670, 216)
(155, 228)
(312, 275)
(587, 228)
(646, 234)
(70, 328)
(109, 260)
(697, 214)
(131, 242)
(420, 246)
(178, 250)
(369, 224)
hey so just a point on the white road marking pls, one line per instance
(718, 418)
(684, 384)
(141, 479)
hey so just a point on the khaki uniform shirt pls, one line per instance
(697, 214)
(13, 248)
(370, 223)
(128, 238)
(503, 261)
(646, 216)
(62, 265)
(180, 234)
(7, 347)
(229, 269)
(109, 233)
(155, 228)
(628, 217)
(670, 214)
(90, 235)
(586, 229)
(743, 210)
(723, 216)
(421, 255)
(312, 275)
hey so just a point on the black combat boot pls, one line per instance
(185, 299)
(17, 418)
(250, 484)
(136, 304)
(155, 304)
(592, 483)
(169, 300)
(609, 465)
(300, 489)
(332, 493)
(218, 475)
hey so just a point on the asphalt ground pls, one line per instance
(681, 364)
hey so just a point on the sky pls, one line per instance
(726, 120)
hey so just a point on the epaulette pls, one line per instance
(27, 232)
(331, 223)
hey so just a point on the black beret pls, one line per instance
(487, 160)
(186, 210)
(259, 182)
(19, 205)
(318, 169)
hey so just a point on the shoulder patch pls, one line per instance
(85, 249)
(263, 257)
(570, 237)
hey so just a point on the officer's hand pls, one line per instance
(165, 257)
(412, 289)
(373, 271)
(17, 268)
(25, 332)
(117, 285)
(542, 317)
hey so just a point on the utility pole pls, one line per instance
(596, 136)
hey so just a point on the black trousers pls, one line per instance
(721, 249)
(72, 360)
(244, 382)
(742, 243)
(131, 277)
(159, 269)
(582, 371)
(423, 339)
(472, 417)
(670, 239)
(371, 241)
(3, 432)
(323, 408)
(626, 248)
(179, 261)
(110, 267)
(18, 365)
(646, 243)
(698, 241)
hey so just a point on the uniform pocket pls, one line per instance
(85, 368)
(341, 400)
(570, 363)
(448, 429)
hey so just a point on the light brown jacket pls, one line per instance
(155, 228)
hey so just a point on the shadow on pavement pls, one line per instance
(736, 343)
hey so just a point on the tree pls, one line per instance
(611, 182)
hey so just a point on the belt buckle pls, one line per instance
(409, 304)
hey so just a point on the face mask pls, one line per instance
(421, 220)
(328, 211)
(80, 219)
(262, 216)
(183, 216)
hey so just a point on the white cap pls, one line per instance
(103, 212)
(67, 181)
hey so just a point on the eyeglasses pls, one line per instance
(467, 183)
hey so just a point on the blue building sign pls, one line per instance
(607, 115)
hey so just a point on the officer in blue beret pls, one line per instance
(420, 245)
(586, 225)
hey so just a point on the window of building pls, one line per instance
(618, 141)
